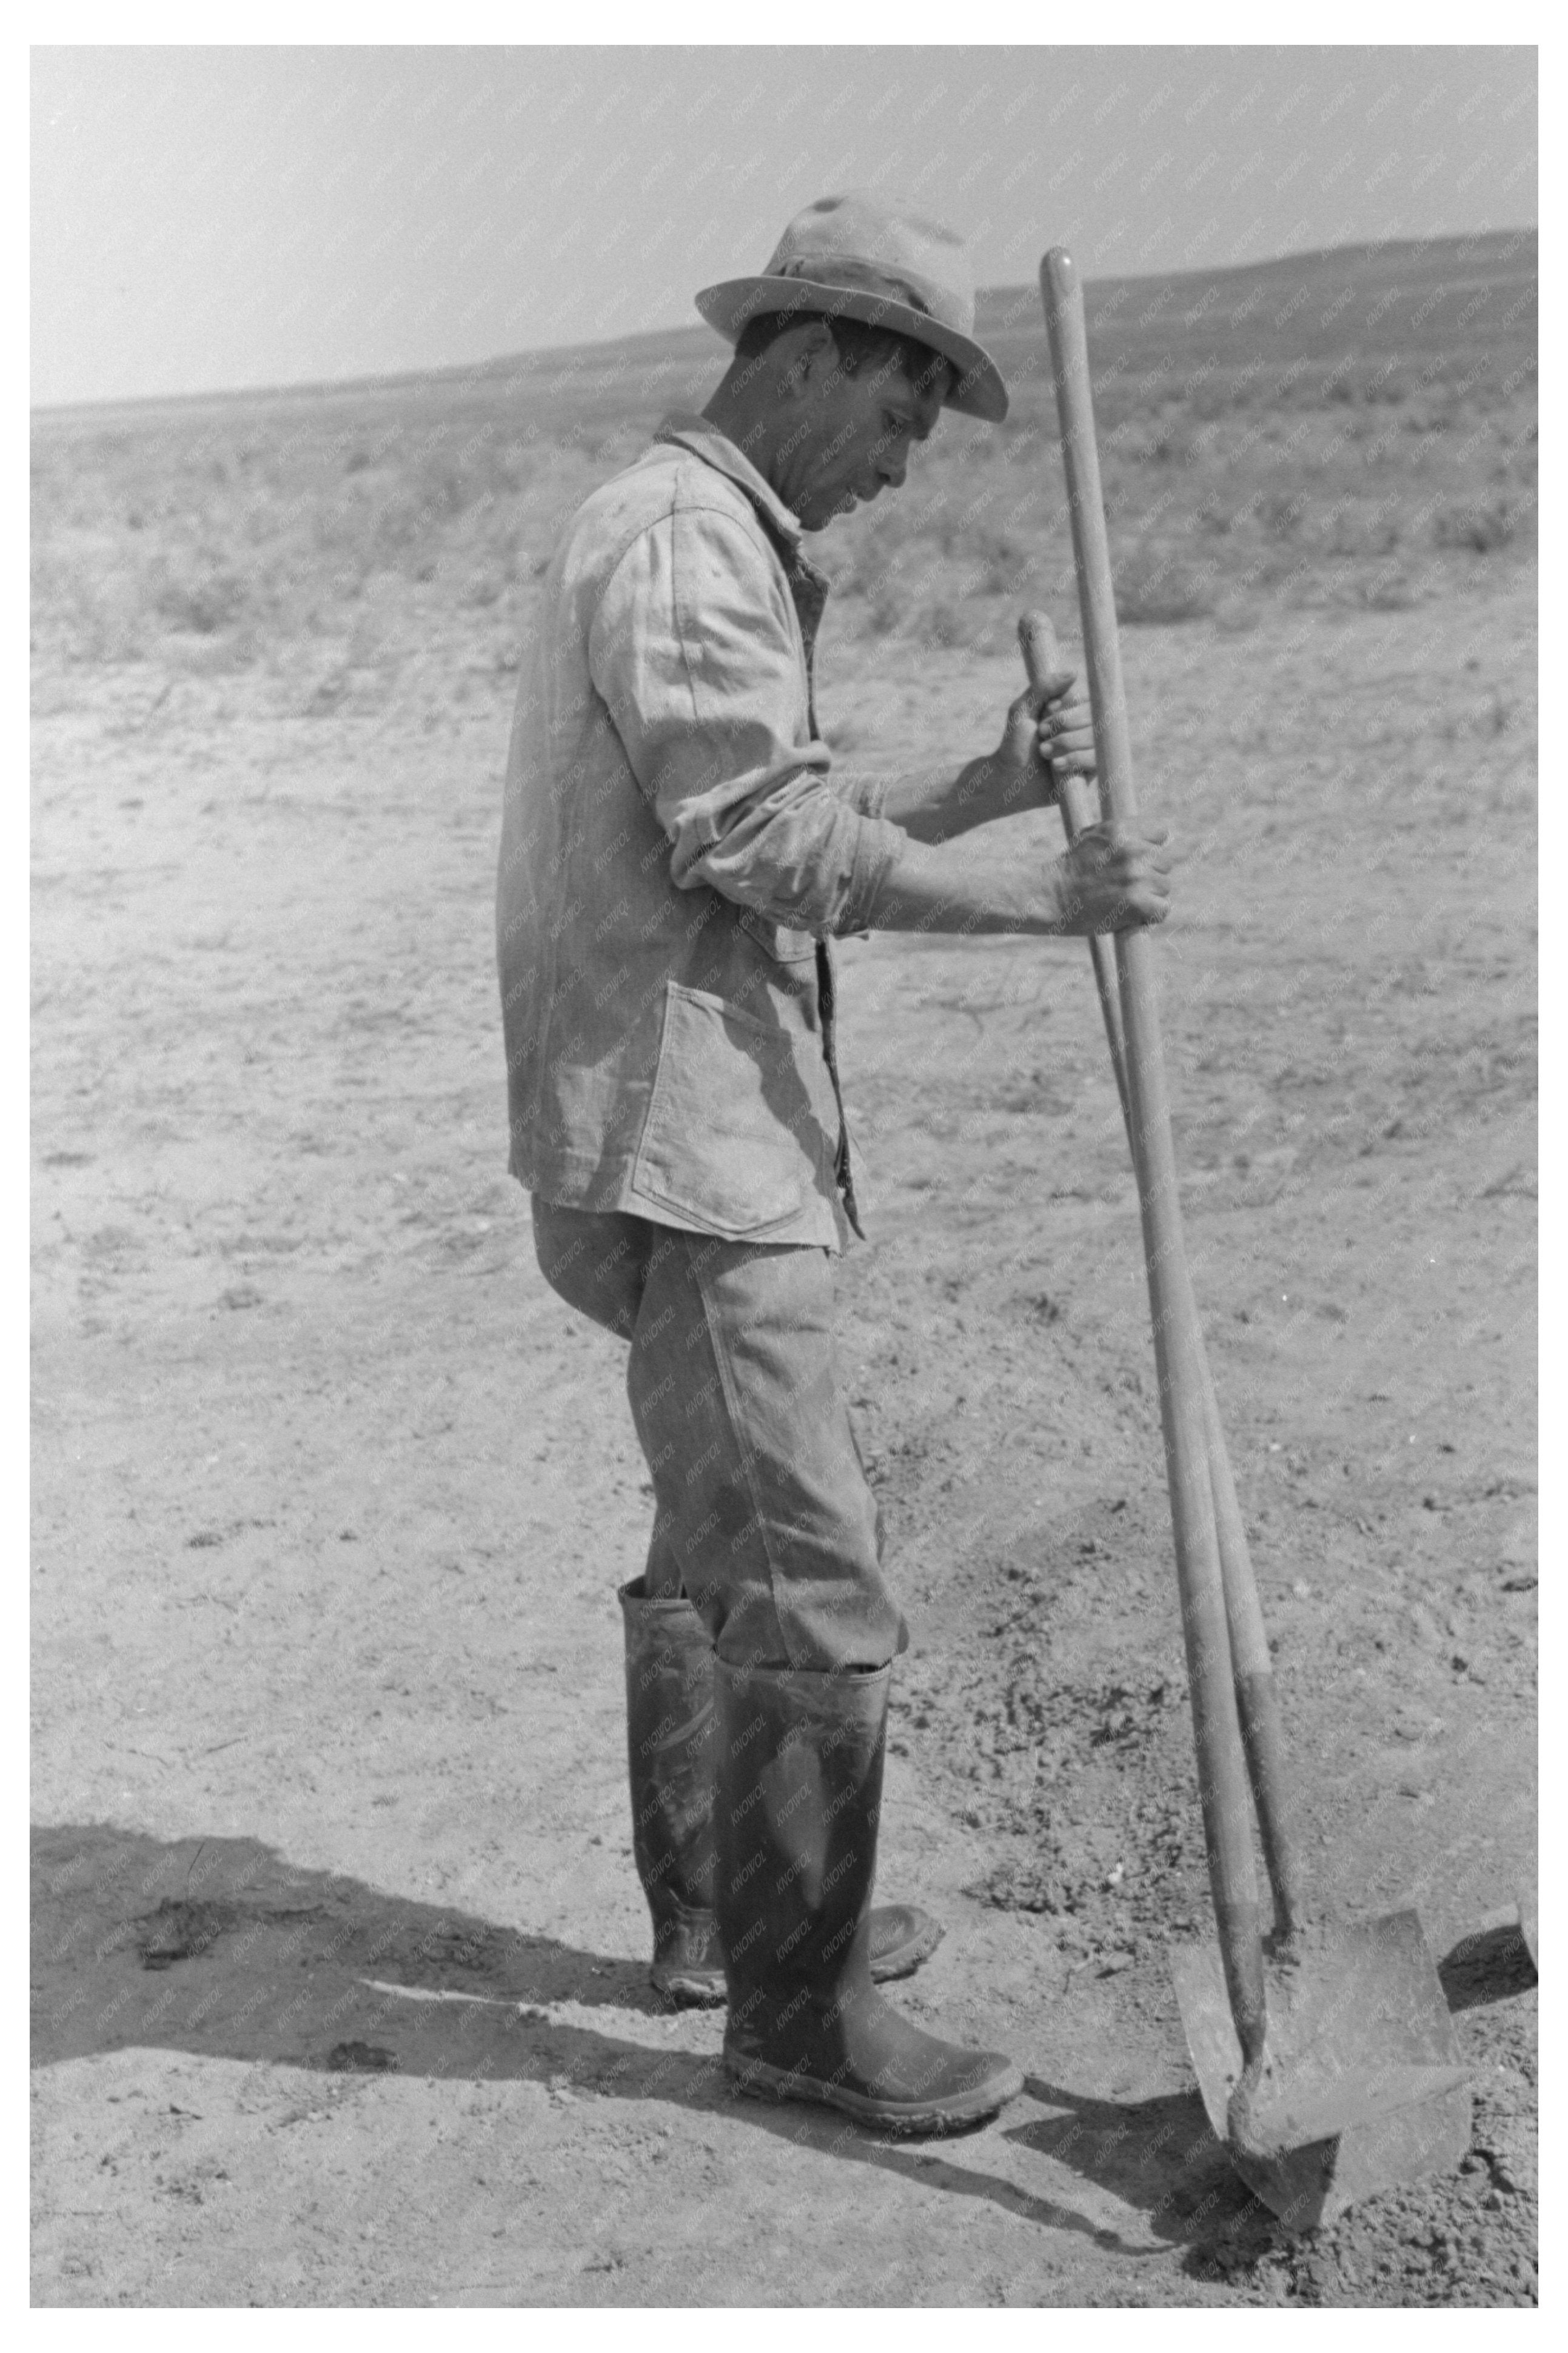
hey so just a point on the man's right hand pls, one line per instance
(1115, 878)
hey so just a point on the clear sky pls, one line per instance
(217, 217)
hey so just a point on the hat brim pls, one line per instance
(978, 389)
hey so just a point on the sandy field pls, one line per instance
(339, 1956)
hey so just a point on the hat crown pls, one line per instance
(857, 241)
(856, 257)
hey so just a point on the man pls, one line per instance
(675, 858)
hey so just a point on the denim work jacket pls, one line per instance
(674, 858)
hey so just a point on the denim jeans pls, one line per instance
(762, 1512)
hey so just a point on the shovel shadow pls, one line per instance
(1158, 2156)
(221, 1948)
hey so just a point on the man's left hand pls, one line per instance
(1050, 733)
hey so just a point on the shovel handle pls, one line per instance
(1250, 1662)
(1178, 1346)
(1042, 660)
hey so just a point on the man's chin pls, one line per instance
(819, 515)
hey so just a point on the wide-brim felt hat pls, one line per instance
(853, 257)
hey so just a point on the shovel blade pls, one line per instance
(1363, 2086)
(1323, 2109)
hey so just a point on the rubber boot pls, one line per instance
(671, 1753)
(670, 1750)
(800, 1792)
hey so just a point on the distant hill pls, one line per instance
(1420, 290)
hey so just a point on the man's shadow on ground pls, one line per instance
(221, 1948)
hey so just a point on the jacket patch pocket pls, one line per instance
(735, 1135)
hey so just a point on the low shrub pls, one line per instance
(1481, 528)
(1160, 591)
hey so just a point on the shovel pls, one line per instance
(1329, 2066)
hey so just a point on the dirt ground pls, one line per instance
(339, 1955)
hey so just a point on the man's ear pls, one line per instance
(812, 355)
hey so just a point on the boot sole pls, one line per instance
(903, 1959)
(704, 1989)
(760, 2081)
(690, 1989)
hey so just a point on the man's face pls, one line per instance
(849, 438)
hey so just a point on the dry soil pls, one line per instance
(339, 1955)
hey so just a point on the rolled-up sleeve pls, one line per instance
(692, 652)
(860, 789)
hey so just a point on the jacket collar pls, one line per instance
(690, 431)
(809, 588)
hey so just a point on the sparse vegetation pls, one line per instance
(1345, 429)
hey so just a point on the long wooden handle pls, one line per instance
(1251, 1665)
(1178, 1348)
(1042, 660)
